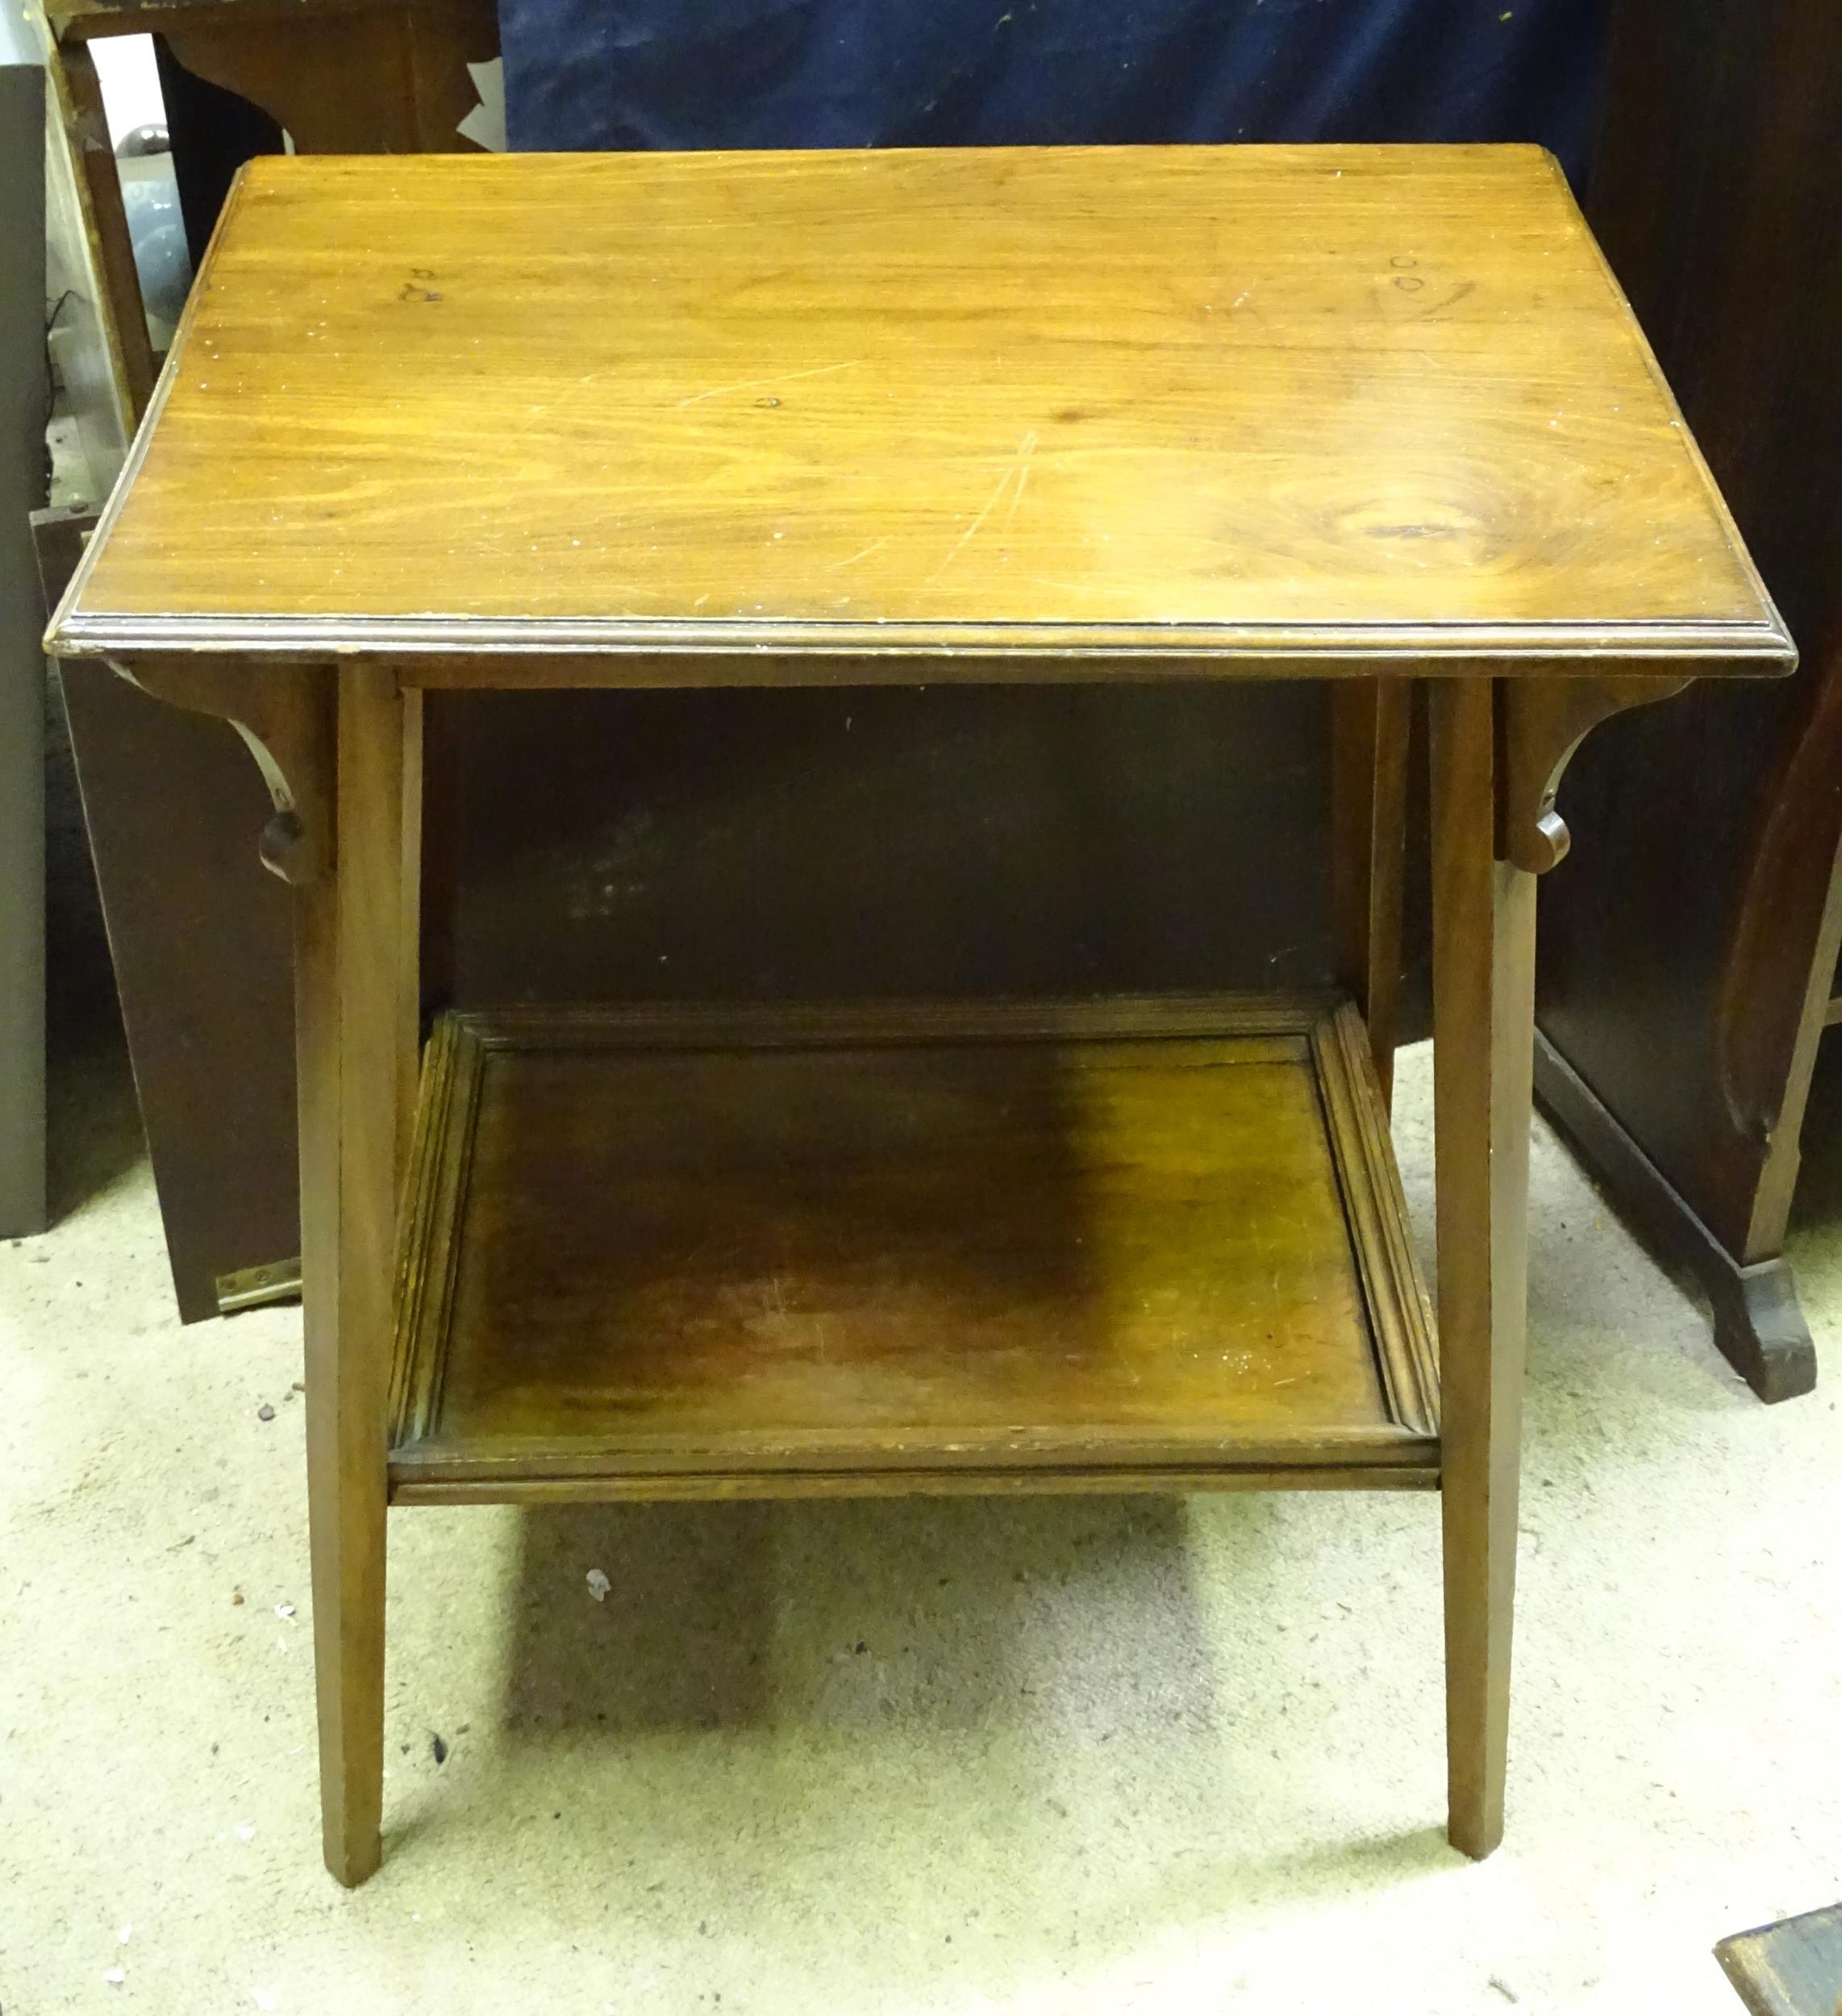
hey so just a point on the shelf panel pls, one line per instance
(1125, 1244)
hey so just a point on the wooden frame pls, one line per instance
(342, 753)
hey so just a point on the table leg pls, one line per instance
(1484, 1019)
(356, 1032)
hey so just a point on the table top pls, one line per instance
(1231, 403)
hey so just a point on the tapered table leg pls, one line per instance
(1484, 1018)
(356, 1036)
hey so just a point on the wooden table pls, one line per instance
(1364, 415)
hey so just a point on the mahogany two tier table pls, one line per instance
(1370, 416)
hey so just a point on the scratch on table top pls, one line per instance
(786, 377)
(1023, 454)
(875, 546)
(1017, 474)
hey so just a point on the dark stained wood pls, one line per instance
(212, 132)
(1177, 425)
(1370, 724)
(367, 78)
(1687, 962)
(622, 847)
(911, 1242)
(1791, 1968)
(1540, 728)
(23, 966)
(1483, 976)
(1757, 1321)
(199, 937)
(279, 719)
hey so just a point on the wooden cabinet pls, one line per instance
(1689, 961)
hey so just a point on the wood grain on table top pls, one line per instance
(913, 1236)
(1220, 399)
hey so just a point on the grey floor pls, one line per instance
(1065, 1755)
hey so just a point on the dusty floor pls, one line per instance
(910, 1756)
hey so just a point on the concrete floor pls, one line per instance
(1059, 1757)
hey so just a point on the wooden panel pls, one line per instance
(1757, 1321)
(199, 935)
(1152, 1239)
(1249, 400)
(376, 79)
(626, 846)
(1369, 748)
(22, 669)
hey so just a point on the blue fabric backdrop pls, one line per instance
(694, 74)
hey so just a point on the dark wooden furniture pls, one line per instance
(1688, 964)
(21, 665)
(846, 422)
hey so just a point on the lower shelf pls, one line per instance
(1128, 1244)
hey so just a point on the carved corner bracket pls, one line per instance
(285, 713)
(1540, 722)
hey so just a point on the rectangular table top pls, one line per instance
(1232, 403)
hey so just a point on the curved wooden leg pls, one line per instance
(356, 1035)
(1484, 1021)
